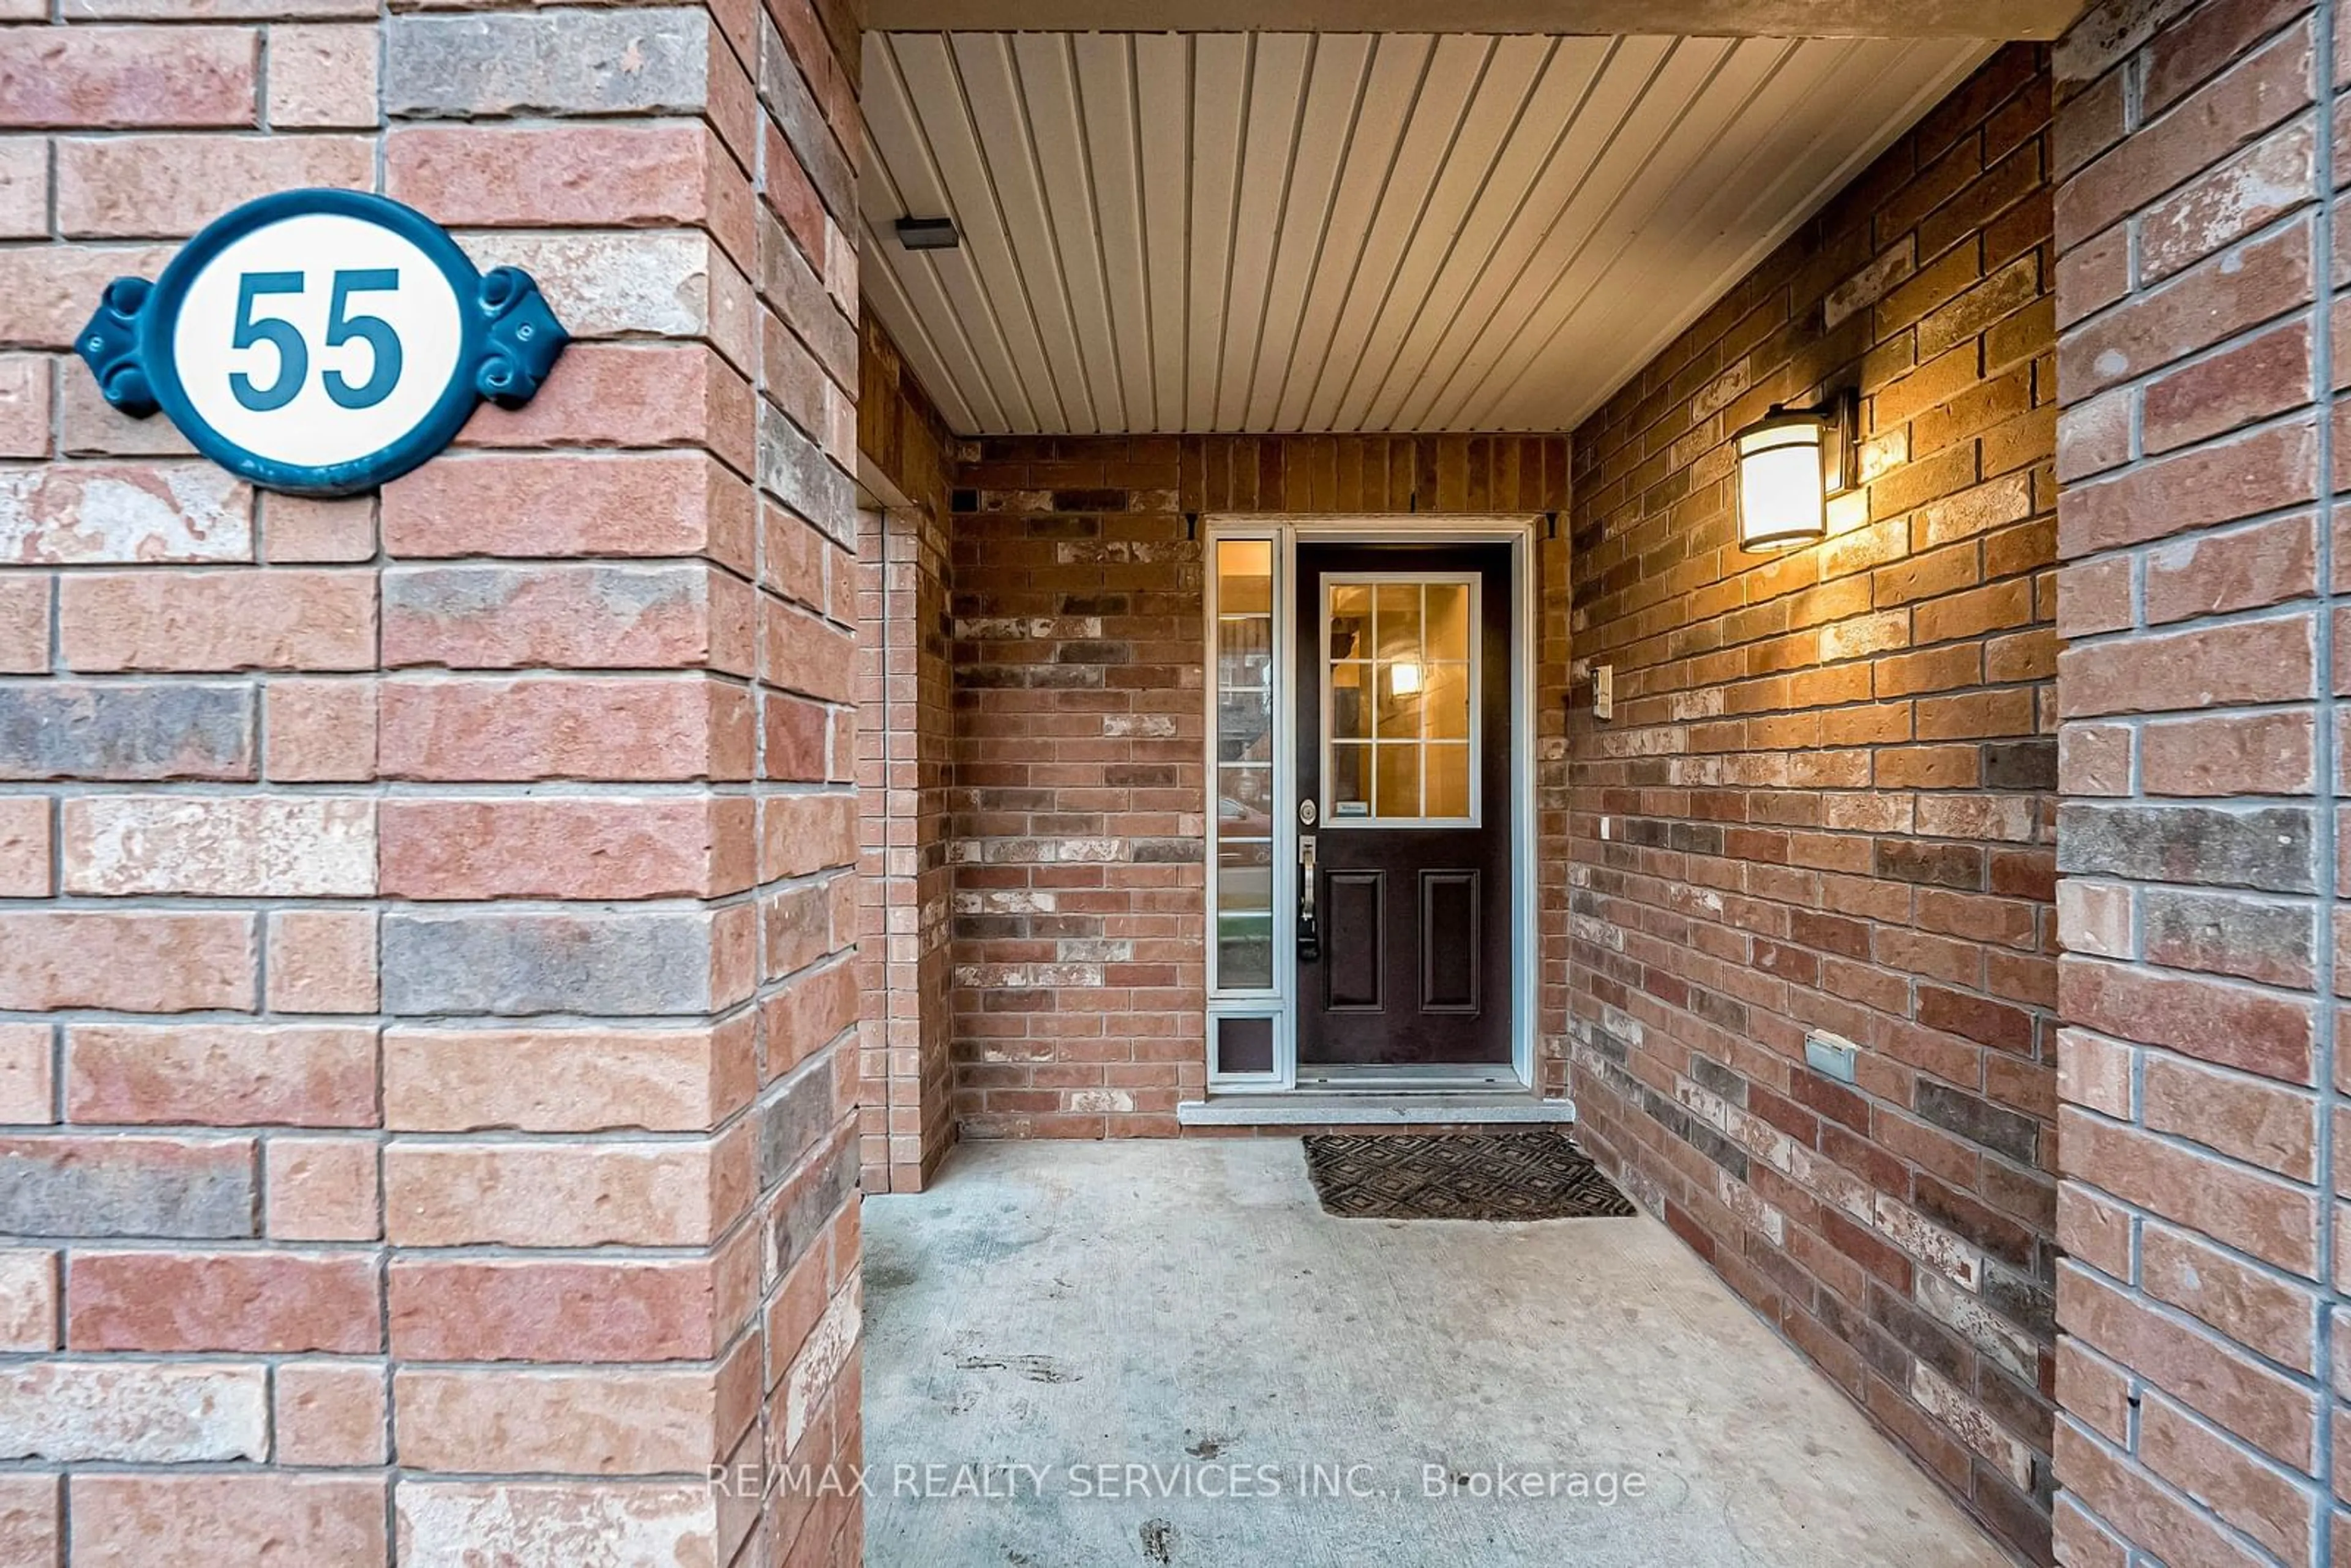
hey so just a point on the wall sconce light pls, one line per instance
(1790, 462)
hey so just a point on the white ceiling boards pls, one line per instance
(1329, 231)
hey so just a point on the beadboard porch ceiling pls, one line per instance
(1343, 232)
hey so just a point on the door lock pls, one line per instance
(1310, 940)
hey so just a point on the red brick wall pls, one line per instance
(1080, 733)
(429, 914)
(905, 740)
(1824, 801)
(2201, 236)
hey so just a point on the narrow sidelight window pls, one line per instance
(1242, 792)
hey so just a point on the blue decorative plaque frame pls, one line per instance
(510, 340)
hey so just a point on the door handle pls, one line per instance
(1310, 940)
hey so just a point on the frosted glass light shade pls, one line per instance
(1782, 481)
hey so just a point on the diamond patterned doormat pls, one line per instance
(1458, 1176)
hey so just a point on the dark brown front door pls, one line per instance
(1404, 804)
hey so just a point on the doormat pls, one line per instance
(1458, 1176)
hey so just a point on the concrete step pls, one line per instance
(1439, 1108)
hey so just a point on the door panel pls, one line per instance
(1402, 684)
(1449, 956)
(1357, 937)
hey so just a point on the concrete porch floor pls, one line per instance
(1187, 1306)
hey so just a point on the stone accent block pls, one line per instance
(796, 1113)
(331, 1413)
(807, 1012)
(26, 1075)
(147, 962)
(29, 1300)
(71, 730)
(556, 1195)
(221, 1074)
(100, 514)
(616, 729)
(801, 653)
(278, 619)
(110, 1186)
(591, 847)
(267, 1302)
(126, 78)
(223, 847)
(25, 189)
(636, 61)
(800, 473)
(829, 1347)
(147, 1413)
(662, 503)
(322, 732)
(169, 186)
(119, 1519)
(567, 1080)
(324, 1189)
(632, 395)
(618, 283)
(573, 176)
(803, 834)
(598, 1422)
(25, 848)
(226, 10)
(50, 288)
(568, 1310)
(323, 77)
(632, 963)
(444, 1525)
(575, 617)
(2268, 848)
(305, 529)
(322, 961)
(2270, 661)
(809, 1204)
(32, 1508)
(27, 414)
(25, 624)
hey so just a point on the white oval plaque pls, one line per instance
(322, 341)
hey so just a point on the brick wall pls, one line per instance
(905, 739)
(2202, 1366)
(426, 972)
(1826, 798)
(1079, 804)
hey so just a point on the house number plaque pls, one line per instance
(321, 342)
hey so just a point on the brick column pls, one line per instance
(426, 1106)
(2201, 1365)
(906, 730)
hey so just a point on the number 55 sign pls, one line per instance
(321, 342)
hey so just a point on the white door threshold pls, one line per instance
(1468, 1108)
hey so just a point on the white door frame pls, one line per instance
(1279, 1003)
